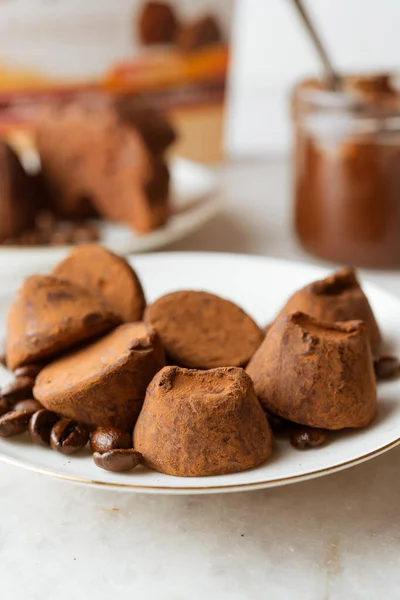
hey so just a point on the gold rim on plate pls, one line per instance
(199, 489)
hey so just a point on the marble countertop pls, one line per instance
(332, 538)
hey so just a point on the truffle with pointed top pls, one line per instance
(316, 373)
(338, 297)
(108, 276)
(50, 315)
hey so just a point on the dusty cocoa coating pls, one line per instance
(157, 23)
(203, 331)
(93, 156)
(198, 423)
(104, 383)
(17, 195)
(316, 373)
(339, 297)
(49, 315)
(154, 126)
(105, 274)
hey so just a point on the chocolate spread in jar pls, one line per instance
(347, 171)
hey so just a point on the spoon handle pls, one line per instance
(330, 73)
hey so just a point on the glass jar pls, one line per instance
(347, 171)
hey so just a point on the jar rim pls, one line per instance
(378, 104)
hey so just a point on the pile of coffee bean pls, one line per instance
(49, 231)
(19, 412)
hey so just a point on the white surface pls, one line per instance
(195, 200)
(271, 52)
(333, 538)
(261, 286)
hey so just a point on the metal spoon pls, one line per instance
(331, 74)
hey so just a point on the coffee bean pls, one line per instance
(82, 234)
(40, 426)
(10, 241)
(68, 436)
(117, 460)
(28, 371)
(308, 437)
(279, 425)
(4, 406)
(3, 359)
(104, 439)
(14, 422)
(30, 237)
(49, 231)
(61, 237)
(45, 221)
(30, 404)
(386, 367)
(19, 389)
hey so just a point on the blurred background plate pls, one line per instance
(196, 199)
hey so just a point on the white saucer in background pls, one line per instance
(195, 200)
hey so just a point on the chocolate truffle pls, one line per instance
(203, 331)
(153, 125)
(197, 423)
(107, 275)
(157, 23)
(199, 34)
(316, 373)
(105, 383)
(91, 156)
(18, 195)
(50, 315)
(339, 297)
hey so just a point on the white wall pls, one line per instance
(271, 52)
(80, 38)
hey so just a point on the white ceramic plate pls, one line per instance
(259, 285)
(195, 199)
